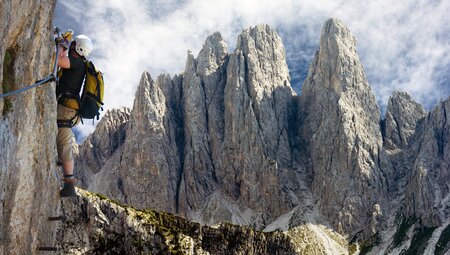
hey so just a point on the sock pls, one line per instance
(69, 178)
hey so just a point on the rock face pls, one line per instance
(96, 225)
(417, 145)
(101, 146)
(428, 190)
(402, 118)
(229, 141)
(256, 144)
(117, 229)
(28, 186)
(340, 127)
(220, 130)
(226, 141)
(145, 169)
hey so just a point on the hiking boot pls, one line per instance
(68, 190)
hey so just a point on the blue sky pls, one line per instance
(403, 45)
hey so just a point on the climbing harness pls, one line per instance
(52, 77)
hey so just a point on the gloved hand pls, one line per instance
(59, 39)
(68, 35)
(62, 42)
(64, 39)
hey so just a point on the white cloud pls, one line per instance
(403, 45)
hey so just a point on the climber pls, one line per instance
(70, 60)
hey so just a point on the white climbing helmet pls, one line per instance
(83, 45)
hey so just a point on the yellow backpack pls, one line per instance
(91, 100)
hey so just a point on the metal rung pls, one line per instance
(47, 248)
(63, 218)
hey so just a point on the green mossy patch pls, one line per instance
(352, 249)
(104, 198)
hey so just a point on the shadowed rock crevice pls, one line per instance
(8, 79)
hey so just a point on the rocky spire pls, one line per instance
(340, 125)
(220, 144)
(101, 145)
(221, 128)
(152, 152)
(257, 96)
(146, 172)
(227, 99)
(212, 55)
(203, 85)
(427, 191)
(402, 117)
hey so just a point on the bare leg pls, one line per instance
(68, 168)
(65, 142)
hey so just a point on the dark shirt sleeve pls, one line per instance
(75, 63)
(72, 78)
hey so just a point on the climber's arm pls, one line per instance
(63, 59)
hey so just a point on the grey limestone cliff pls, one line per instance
(101, 146)
(28, 186)
(220, 130)
(144, 170)
(229, 141)
(402, 117)
(416, 143)
(257, 97)
(428, 190)
(97, 225)
(340, 127)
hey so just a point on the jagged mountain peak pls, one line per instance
(340, 125)
(402, 97)
(259, 34)
(142, 94)
(402, 117)
(337, 62)
(149, 94)
(228, 140)
(111, 122)
(101, 145)
(214, 45)
(210, 57)
(337, 35)
(144, 84)
(262, 45)
(225, 141)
